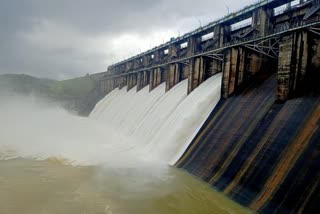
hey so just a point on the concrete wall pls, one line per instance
(259, 152)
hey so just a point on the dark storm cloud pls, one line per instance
(67, 38)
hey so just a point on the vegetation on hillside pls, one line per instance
(24, 84)
(73, 87)
(73, 94)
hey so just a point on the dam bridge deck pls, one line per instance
(278, 32)
(216, 53)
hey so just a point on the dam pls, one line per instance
(259, 143)
(221, 120)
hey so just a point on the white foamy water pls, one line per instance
(162, 124)
(125, 128)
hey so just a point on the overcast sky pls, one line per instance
(62, 39)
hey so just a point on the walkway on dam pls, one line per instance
(239, 42)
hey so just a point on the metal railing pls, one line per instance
(241, 41)
(228, 17)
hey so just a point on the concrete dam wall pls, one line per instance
(260, 143)
(262, 154)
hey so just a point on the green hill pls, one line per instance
(73, 94)
(24, 84)
(73, 87)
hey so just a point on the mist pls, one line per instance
(109, 162)
(36, 128)
(125, 130)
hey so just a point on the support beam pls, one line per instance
(132, 81)
(143, 79)
(146, 59)
(173, 51)
(229, 70)
(234, 71)
(193, 47)
(221, 33)
(292, 66)
(129, 66)
(261, 18)
(156, 78)
(158, 56)
(173, 77)
(175, 69)
(123, 82)
(137, 63)
(197, 73)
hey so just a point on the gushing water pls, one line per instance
(163, 124)
(116, 161)
(136, 126)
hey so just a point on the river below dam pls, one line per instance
(51, 186)
(119, 160)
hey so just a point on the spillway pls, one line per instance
(154, 126)
(161, 124)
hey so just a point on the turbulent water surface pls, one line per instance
(116, 161)
(29, 186)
